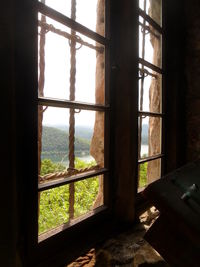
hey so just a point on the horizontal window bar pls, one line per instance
(68, 180)
(76, 38)
(150, 114)
(52, 102)
(147, 159)
(150, 20)
(151, 66)
(53, 14)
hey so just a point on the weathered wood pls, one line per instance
(125, 95)
(176, 234)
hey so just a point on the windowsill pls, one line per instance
(67, 225)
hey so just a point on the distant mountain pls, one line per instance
(80, 131)
(145, 134)
(55, 144)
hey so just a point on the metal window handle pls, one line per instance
(188, 193)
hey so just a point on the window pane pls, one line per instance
(150, 88)
(90, 74)
(89, 13)
(89, 134)
(149, 43)
(54, 60)
(54, 141)
(149, 172)
(153, 8)
(150, 136)
(55, 202)
(60, 68)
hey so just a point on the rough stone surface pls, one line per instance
(128, 249)
(192, 11)
(153, 169)
(97, 143)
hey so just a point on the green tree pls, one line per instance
(54, 203)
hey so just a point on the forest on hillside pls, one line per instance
(55, 144)
(55, 141)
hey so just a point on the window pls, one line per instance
(150, 102)
(73, 111)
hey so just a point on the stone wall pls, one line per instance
(153, 169)
(192, 11)
(97, 143)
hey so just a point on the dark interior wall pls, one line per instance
(8, 215)
(174, 83)
(192, 70)
(182, 57)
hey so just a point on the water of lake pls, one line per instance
(144, 149)
(88, 158)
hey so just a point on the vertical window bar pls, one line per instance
(142, 85)
(72, 111)
(41, 93)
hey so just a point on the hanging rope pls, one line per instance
(76, 38)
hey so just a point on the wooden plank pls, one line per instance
(149, 65)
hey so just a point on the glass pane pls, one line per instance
(55, 140)
(89, 135)
(149, 172)
(89, 74)
(55, 202)
(54, 61)
(59, 67)
(153, 8)
(150, 88)
(149, 43)
(149, 136)
(89, 13)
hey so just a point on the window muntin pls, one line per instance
(147, 170)
(55, 204)
(88, 18)
(149, 79)
(151, 136)
(154, 13)
(75, 105)
(149, 37)
(150, 108)
(57, 63)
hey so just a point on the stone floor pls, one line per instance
(128, 249)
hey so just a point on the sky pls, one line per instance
(57, 65)
(57, 68)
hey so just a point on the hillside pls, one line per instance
(55, 144)
(55, 141)
(80, 130)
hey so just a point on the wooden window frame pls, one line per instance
(65, 245)
(161, 114)
(73, 105)
(67, 237)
